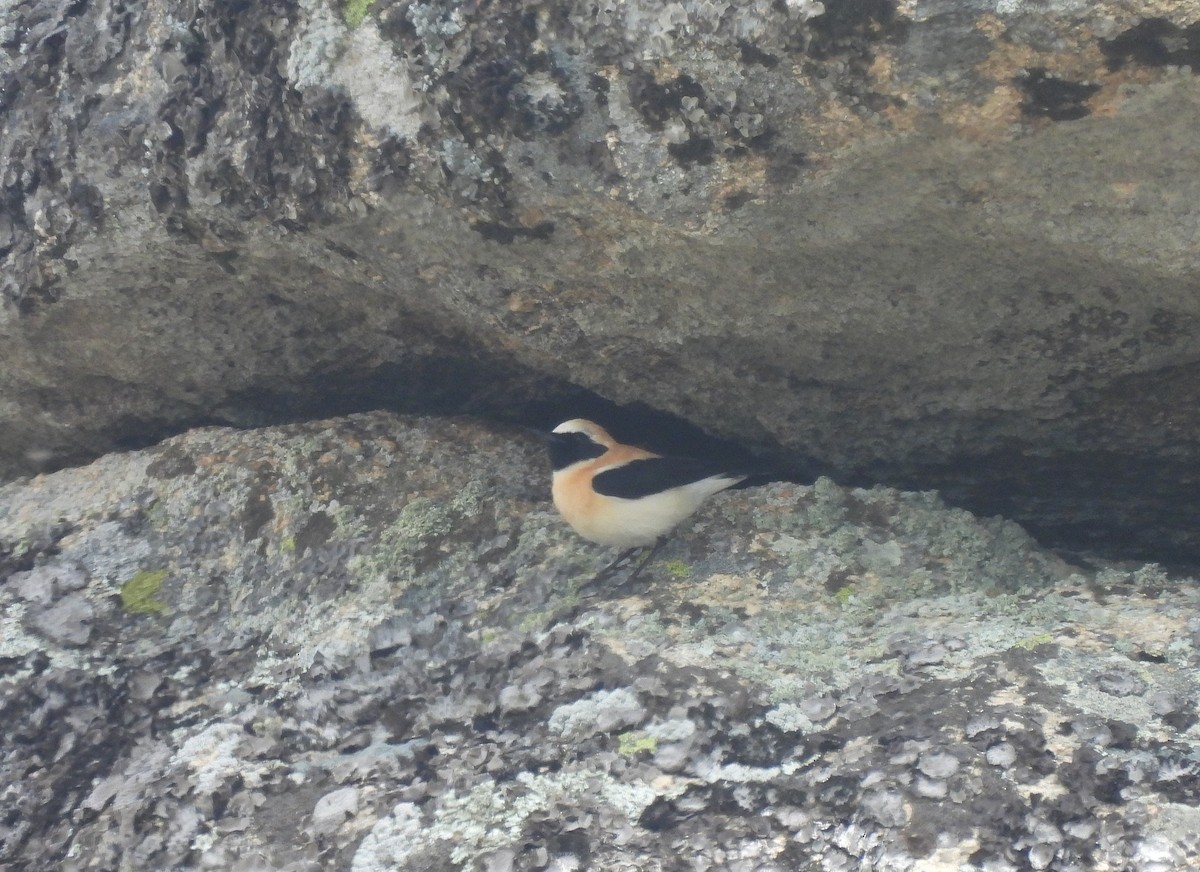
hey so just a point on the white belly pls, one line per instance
(629, 523)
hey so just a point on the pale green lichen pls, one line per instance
(599, 712)
(491, 816)
(1148, 576)
(790, 718)
(139, 595)
(677, 568)
(634, 742)
(828, 642)
(212, 757)
(1064, 670)
(424, 525)
(14, 641)
(346, 521)
(564, 603)
(156, 515)
(355, 11)
(1028, 644)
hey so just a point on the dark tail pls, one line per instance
(805, 472)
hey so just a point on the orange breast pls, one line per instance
(592, 515)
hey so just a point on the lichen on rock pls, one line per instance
(425, 676)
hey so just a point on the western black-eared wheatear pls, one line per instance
(625, 496)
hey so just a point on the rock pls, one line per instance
(1001, 754)
(1040, 856)
(42, 584)
(389, 635)
(68, 621)
(500, 861)
(603, 711)
(1164, 703)
(423, 676)
(818, 708)
(931, 788)
(1120, 683)
(334, 808)
(886, 807)
(944, 245)
(938, 764)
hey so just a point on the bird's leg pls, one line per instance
(649, 555)
(589, 588)
(612, 567)
(624, 556)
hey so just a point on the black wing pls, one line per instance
(641, 478)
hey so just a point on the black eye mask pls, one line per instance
(568, 448)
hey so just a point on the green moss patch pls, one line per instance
(633, 743)
(139, 595)
(354, 11)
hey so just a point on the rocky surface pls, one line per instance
(934, 242)
(369, 644)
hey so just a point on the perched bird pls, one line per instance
(620, 495)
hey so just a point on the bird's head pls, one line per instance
(576, 440)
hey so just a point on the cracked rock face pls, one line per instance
(370, 644)
(946, 243)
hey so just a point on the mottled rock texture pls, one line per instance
(369, 644)
(941, 241)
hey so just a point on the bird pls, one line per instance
(624, 496)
